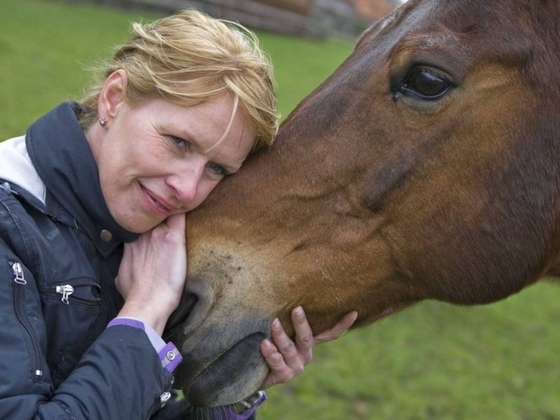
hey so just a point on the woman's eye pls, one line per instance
(217, 169)
(426, 84)
(179, 142)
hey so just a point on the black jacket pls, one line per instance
(57, 359)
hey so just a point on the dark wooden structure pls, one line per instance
(310, 18)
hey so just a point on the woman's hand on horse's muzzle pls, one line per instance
(287, 358)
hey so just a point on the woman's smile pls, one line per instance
(157, 204)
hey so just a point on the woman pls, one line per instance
(92, 223)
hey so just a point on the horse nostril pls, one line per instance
(180, 315)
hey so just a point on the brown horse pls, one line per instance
(426, 167)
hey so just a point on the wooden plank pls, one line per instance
(292, 17)
(303, 7)
(250, 13)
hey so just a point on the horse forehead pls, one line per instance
(479, 24)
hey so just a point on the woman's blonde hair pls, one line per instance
(189, 58)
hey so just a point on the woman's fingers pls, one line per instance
(340, 328)
(286, 357)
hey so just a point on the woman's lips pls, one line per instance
(156, 203)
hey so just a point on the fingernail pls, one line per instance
(276, 324)
(267, 344)
(299, 312)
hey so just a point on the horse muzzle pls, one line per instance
(222, 363)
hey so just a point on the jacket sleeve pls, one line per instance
(119, 377)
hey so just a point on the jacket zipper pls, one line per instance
(67, 291)
(19, 300)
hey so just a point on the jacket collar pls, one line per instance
(63, 159)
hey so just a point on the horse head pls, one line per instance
(425, 167)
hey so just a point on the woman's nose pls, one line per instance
(186, 184)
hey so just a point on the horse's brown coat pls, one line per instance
(375, 198)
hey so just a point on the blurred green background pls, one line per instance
(432, 361)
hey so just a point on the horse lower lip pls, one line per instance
(206, 387)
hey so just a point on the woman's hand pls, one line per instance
(286, 358)
(152, 273)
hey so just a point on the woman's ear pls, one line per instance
(112, 95)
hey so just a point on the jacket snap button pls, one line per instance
(105, 235)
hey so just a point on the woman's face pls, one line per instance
(158, 158)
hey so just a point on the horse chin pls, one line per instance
(231, 377)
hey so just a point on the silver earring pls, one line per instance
(102, 122)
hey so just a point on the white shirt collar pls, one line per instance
(16, 167)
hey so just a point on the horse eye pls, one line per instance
(426, 84)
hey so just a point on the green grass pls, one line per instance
(46, 47)
(432, 361)
(437, 361)
(301, 65)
